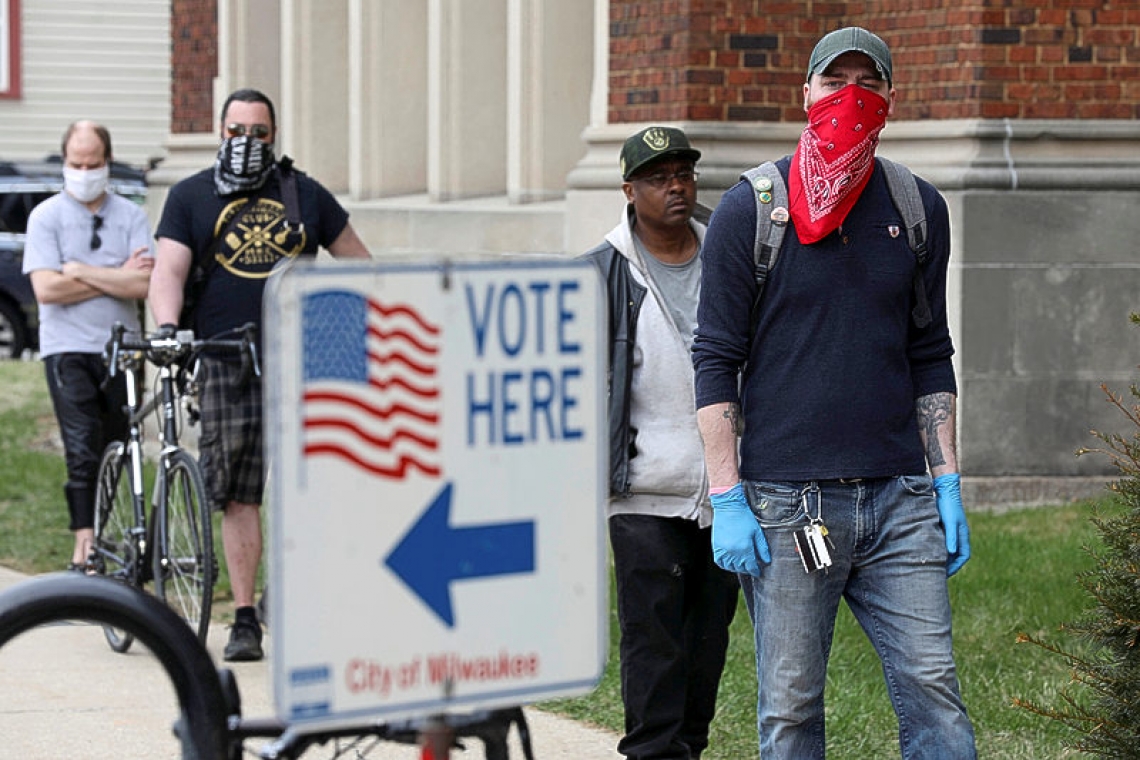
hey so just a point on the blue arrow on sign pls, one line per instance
(432, 554)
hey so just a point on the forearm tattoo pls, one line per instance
(933, 413)
(732, 414)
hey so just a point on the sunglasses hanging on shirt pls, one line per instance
(96, 225)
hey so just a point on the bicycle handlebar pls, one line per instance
(164, 350)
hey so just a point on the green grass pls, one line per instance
(1022, 578)
(33, 514)
(33, 518)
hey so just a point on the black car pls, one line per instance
(23, 184)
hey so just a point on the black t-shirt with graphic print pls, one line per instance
(194, 214)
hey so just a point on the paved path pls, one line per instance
(65, 694)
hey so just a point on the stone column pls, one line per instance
(314, 109)
(467, 98)
(547, 95)
(249, 49)
(387, 91)
(593, 201)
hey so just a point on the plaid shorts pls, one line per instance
(230, 447)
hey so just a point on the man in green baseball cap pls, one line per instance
(674, 604)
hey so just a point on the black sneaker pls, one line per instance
(245, 642)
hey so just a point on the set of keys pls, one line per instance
(813, 546)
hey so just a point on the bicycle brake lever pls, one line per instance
(253, 359)
(248, 337)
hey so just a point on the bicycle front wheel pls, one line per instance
(115, 552)
(184, 566)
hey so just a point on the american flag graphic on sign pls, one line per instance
(371, 394)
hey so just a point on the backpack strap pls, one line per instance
(771, 194)
(288, 178)
(201, 268)
(908, 202)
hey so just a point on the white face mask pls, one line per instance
(85, 185)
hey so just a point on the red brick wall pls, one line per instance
(194, 64)
(746, 60)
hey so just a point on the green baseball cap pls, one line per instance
(651, 144)
(846, 40)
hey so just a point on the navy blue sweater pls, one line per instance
(831, 378)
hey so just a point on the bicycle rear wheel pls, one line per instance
(114, 552)
(184, 566)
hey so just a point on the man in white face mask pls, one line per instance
(87, 255)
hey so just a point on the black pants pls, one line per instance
(91, 414)
(674, 608)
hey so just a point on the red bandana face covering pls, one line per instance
(834, 159)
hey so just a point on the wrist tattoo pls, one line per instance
(732, 414)
(933, 413)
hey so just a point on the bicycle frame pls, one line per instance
(165, 400)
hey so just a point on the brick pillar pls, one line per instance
(743, 60)
(194, 64)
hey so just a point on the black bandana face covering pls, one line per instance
(243, 164)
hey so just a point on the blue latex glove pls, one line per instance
(948, 489)
(738, 542)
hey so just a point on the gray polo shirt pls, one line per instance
(59, 230)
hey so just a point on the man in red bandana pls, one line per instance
(829, 421)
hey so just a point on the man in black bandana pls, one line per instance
(231, 222)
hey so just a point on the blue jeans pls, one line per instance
(889, 564)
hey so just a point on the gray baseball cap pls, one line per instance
(846, 40)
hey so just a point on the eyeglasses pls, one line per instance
(260, 131)
(96, 225)
(662, 180)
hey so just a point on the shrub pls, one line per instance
(1102, 703)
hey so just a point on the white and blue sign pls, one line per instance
(437, 441)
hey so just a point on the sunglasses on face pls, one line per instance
(260, 131)
(96, 225)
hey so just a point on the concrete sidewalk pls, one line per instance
(64, 694)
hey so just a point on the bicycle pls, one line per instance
(173, 546)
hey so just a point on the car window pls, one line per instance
(15, 207)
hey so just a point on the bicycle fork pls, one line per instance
(168, 437)
(138, 489)
(160, 498)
